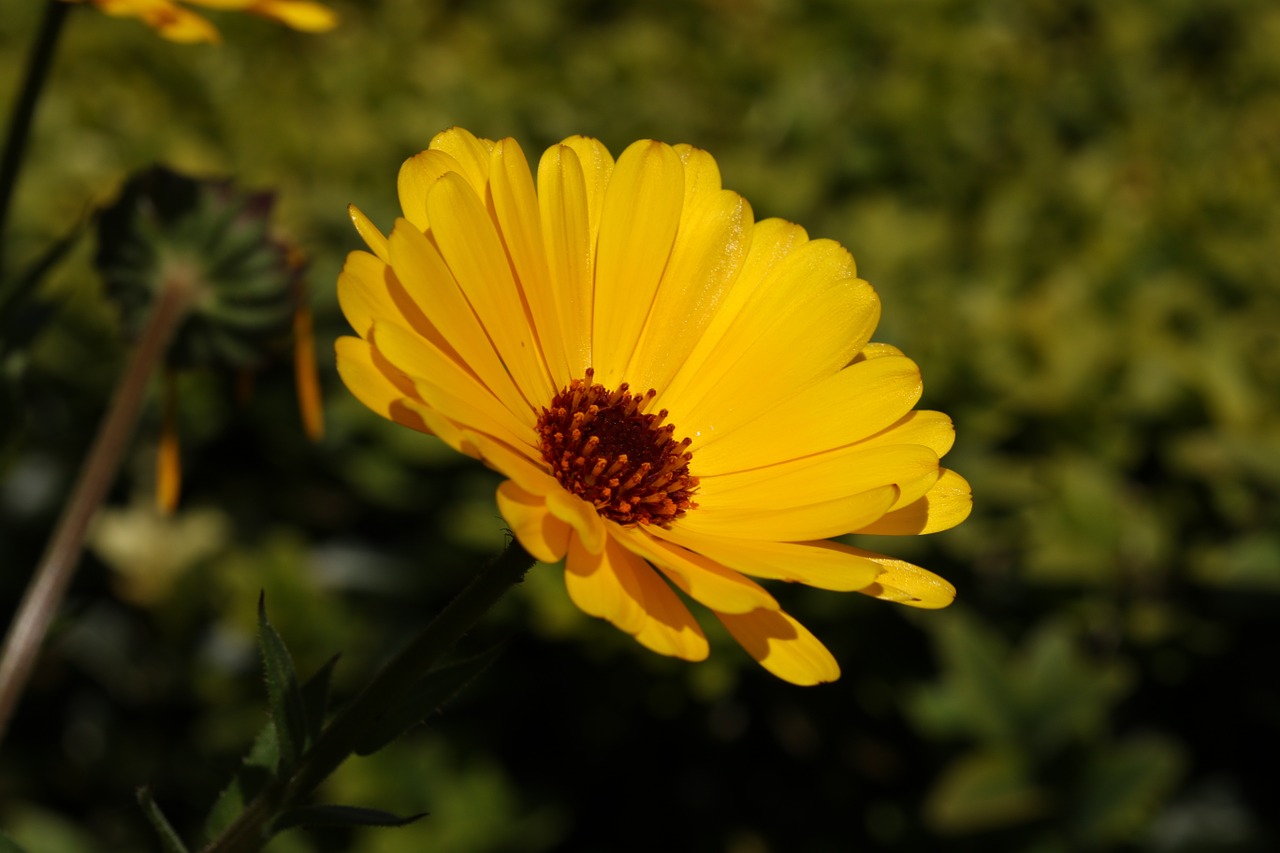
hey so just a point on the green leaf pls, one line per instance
(1064, 695)
(327, 815)
(8, 845)
(14, 290)
(978, 695)
(288, 711)
(169, 839)
(426, 696)
(1123, 785)
(255, 772)
(259, 766)
(985, 789)
(315, 698)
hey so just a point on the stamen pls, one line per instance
(602, 446)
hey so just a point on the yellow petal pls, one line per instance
(373, 386)
(429, 284)
(823, 477)
(876, 350)
(362, 292)
(805, 316)
(298, 14)
(701, 174)
(710, 248)
(581, 516)
(702, 579)
(185, 28)
(515, 204)
(539, 532)
(306, 378)
(907, 584)
(435, 423)
(470, 153)
(855, 403)
(617, 585)
(597, 170)
(783, 646)
(822, 564)
(797, 523)
(772, 240)
(169, 450)
(166, 17)
(637, 227)
(945, 505)
(373, 238)
(449, 388)
(566, 226)
(417, 176)
(527, 470)
(930, 429)
(470, 246)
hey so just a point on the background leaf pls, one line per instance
(340, 816)
(288, 710)
(1068, 212)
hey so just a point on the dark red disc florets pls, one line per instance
(603, 447)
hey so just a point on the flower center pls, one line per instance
(603, 448)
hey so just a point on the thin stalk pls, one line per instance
(53, 574)
(15, 143)
(337, 742)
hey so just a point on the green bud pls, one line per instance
(206, 235)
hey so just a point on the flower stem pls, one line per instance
(15, 143)
(337, 742)
(53, 574)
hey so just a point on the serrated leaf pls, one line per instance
(259, 766)
(169, 839)
(315, 698)
(288, 711)
(255, 772)
(329, 815)
(432, 691)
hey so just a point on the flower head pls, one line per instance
(174, 21)
(681, 397)
(246, 287)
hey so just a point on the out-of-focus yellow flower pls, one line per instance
(149, 552)
(681, 396)
(173, 20)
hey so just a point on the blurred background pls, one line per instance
(1069, 209)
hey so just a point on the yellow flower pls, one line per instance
(681, 396)
(175, 22)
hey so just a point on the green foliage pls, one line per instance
(8, 845)
(170, 842)
(295, 727)
(346, 816)
(1040, 717)
(423, 699)
(1068, 210)
(257, 769)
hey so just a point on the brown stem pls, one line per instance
(53, 574)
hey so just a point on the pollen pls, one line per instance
(605, 448)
